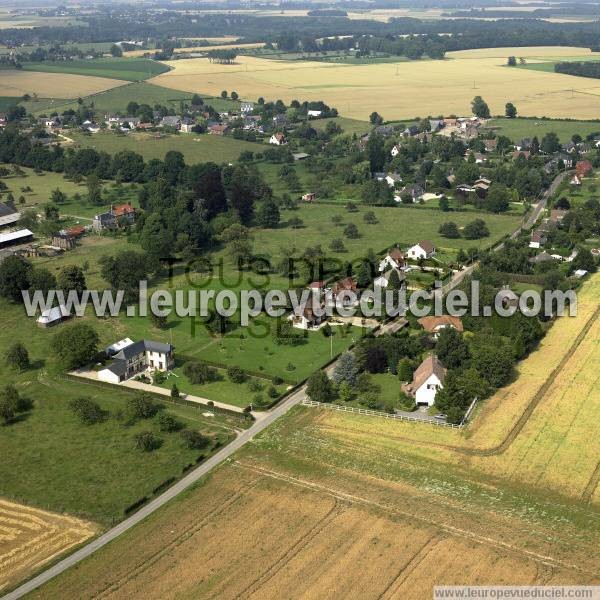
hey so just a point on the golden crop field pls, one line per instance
(256, 532)
(30, 538)
(53, 85)
(405, 89)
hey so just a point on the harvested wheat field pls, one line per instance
(404, 89)
(30, 538)
(53, 85)
(252, 532)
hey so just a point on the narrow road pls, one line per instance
(87, 550)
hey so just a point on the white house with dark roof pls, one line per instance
(131, 359)
(394, 259)
(424, 249)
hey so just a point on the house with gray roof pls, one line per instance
(136, 357)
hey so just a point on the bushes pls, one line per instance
(146, 441)
(88, 411)
(199, 373)
(236, 375)
(167, 422)
(194, 439)
(142, 407)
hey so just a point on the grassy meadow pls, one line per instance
(115, 100)
(195, 148)
(517, 129)
(129, 69)
(92, 471)
(441, 87)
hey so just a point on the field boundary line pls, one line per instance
(447, 528)
(376, 413)
(406, 571)
(591, 486)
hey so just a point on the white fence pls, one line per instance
(376, 413)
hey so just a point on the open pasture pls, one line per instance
(128, 69)
(396, 225)
(30, 538)
(403, 89)
(195, 148)
(52, 85)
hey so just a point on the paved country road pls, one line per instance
(242, 439)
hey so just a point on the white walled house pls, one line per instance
(427, 380)
(278, 139)
(424, 249)
(394, 259)
(131, 359)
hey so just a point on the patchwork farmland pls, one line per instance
(442, 86)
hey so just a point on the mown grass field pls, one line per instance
(42, 185)
(115, 100)
(129, 69)
(517, 129)
(195, 148)
(396, 225)
(442, 87)
(32, 537)
(63, 85)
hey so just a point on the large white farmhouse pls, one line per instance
(133, 358)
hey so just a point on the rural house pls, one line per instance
(434, 324)
(424, 249)
(133, 358)
(278, 139)
(583, 168)
(384, 279)
(308, 316)
(394, 259)
(427, 380)
(117, 216)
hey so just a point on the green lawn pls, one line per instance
(517, 129)
(397, 225)
(128, 69)
(116, 99)
(7, 101)
(59, 464)
(45, 182)
(195, 148)
(222, 390)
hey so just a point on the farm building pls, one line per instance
(9, 215)
(12, 238)
(53, 316)
(131, 359)
(427, 380)
(278, 139)
(115, 217)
